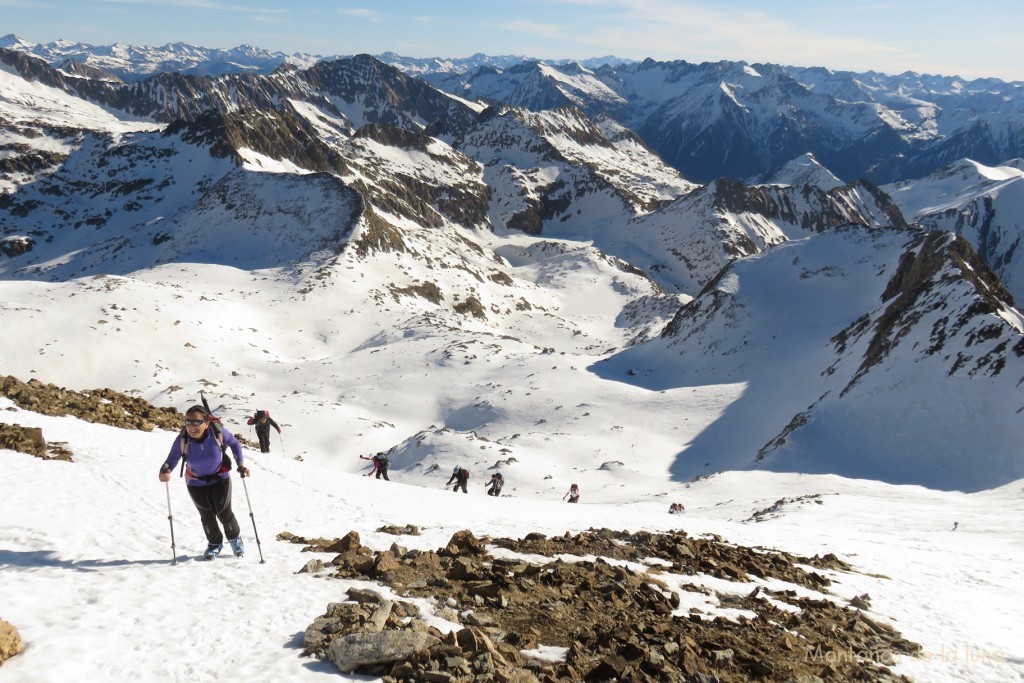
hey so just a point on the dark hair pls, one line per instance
(197, 408)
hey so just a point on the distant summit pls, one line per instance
(133, 62)
(804, 170)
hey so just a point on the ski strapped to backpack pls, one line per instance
(225, 465)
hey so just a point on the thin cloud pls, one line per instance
(268, 20)
(689, 30)
(533, 28)
(200, 4)
(362, 13)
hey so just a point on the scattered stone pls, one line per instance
(407, 530)
(312, 567)
(861, 602)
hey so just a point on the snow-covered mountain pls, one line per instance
(560, 172)
(687, 243)
(462, 236)
(836, 335)
(804, 170)
(742, 120)
(885, 128)
(431, 67)
(136, 62)
(478, 230)
(983, 204)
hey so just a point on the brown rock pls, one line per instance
(464, 543)
(10, 641)
(610, 668)
(386, 562)
(349, 544)
(23, 439)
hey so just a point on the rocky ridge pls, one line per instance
(617, 617)
(100, 406)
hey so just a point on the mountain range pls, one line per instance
(706, 120)
(348, 226)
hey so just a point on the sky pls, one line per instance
(891, 36)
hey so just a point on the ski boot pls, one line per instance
(236, 547)
(212, 551)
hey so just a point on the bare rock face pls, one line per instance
(10, 641)
(613, 622)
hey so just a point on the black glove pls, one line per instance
(243, 471)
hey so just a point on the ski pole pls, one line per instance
(283, 454)
(170, 519)
(256, 533)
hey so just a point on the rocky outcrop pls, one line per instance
(275, 133)
(30, 440)
(16, 246)
(613, 622)
(916, 290)
(104, 406)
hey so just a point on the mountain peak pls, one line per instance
(803, 170)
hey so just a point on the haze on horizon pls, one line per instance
(934, 37)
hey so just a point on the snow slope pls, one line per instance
(87, 576)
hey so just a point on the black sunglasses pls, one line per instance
(194, 423)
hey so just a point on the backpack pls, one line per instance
(381, 459)
(463, 474)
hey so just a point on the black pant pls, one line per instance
(458, 484)
(382, 472)
(264, 436)
(213, 503)
(494, 490)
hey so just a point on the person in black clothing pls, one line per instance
(573, 494)
(263, 423)
(206, 469)
(460, 476)
(495, 484)
(381, 463)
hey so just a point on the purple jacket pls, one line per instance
(204, 457)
